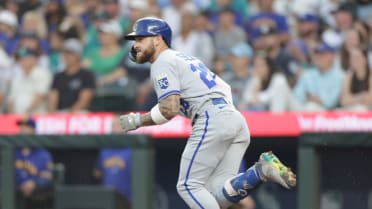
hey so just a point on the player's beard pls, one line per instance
(146, 54)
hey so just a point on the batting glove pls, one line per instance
(130, 121)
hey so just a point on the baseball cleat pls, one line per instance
(271, 169)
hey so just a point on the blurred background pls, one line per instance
(294, 66)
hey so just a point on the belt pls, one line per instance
(215, 101)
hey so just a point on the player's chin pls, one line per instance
(141, 59)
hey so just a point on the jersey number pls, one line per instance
(205, 75)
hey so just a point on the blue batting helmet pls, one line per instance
(150, 26)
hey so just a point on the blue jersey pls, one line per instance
(115, 167)
(36, 165)
(264, 18)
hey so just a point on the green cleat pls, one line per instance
(271, 169)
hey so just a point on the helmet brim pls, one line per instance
(133, 35)
(130, 36)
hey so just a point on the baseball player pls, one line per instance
(210, 161)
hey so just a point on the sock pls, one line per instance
(238, 187)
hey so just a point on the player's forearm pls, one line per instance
(147, 120)
(170, 106)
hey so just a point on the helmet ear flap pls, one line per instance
(133, 54)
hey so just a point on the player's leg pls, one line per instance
(231, 161)
(204, 150)
(228, 187)
(268, 168)
(227, 169)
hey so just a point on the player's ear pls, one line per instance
(158, 40)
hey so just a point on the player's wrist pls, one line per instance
(156, 115)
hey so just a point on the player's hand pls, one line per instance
(130, 121)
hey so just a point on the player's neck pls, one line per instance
(158, 52)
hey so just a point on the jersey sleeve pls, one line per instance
(165, 78)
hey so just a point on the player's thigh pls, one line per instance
(211, 136)
(230, 163)
(204, 149)
(228, 167)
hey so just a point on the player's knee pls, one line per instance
(182, 189)
(189, 186)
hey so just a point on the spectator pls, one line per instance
(28, 90)
(268, 41)
(34, 23)
(357, 37)
(11, 5)
(364, 30)
(189, 40)
(54, 14)
(8, 31)
(320, 89)
(137, 9)
(32, 41)
(239, 76)
(307, 38)
(112, 9)
(104, 61)
(33, 171)
(6, 74)
(353, 40)
(92, 6)
(203, 24)
(76, 9)
(238, 6)
(172, 15)
(268, 17)
(321, 8)
(357, 87)
(28, 5)
(114, 166)
(73, 89)
(91, 41)
(268, 90)
(344, 16)
(55, 58)
(154, 9)
(73, 27)
(114, 169)
(227, 34)
(364, 9)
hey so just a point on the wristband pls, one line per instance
(156, 115)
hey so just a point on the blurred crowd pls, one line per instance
(277, 55)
